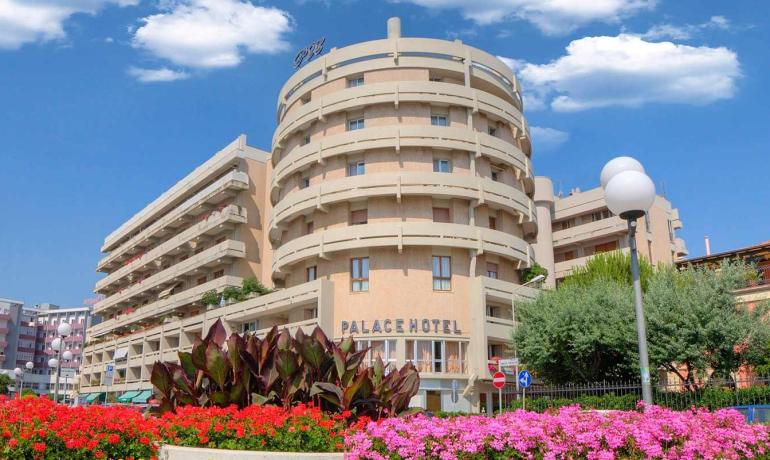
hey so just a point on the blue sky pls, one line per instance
(104, 104)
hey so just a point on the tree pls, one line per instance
(529, 273)
(694, 327)
(614, 265)
(5, 382)
(580, 332)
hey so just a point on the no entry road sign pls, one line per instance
(498, 379)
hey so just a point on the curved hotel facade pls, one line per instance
(396, 206)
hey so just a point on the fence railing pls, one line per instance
(712, 394)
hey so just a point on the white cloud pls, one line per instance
(212, 33)
(553, 17)
(24, 21)
(686, 31)
(545, 139)
(157, 75)
(628, 71)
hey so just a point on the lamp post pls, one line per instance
(66, 356)
(19, 372)
(63, 331)
(629, 193)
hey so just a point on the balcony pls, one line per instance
(398, 235)
(212, 195)
(210, 257)
(161, 307)
(398, 184)
(211, 225)
(592, 230)
(565, 267)
(396, 137)
(680, 248)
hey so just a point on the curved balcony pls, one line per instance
(398, 235)
(426, 53)
(213, 194)
(214, 223)
(398, 184)
(395, 93)
(396, 137)
(210, 257)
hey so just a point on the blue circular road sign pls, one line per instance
(525, 379)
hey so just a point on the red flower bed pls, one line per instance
(37, 428)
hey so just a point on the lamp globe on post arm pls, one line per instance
(19, 378)
(63, 330)
(629, 193)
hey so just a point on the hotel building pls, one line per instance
(574, 228)
(395, 206)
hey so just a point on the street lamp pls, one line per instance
(629, 193)
(19, 373)
(63, 331)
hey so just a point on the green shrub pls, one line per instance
(253, 285)
(210, 297)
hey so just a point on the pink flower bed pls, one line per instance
(570, 433)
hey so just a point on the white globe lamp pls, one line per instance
(618, 165)
(67, 355)
(64, 329)
(29, 365)
(629, 194)
(56, 344)
(18, 372)
(53, 362)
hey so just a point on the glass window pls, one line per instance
(219, 273)
(353, 125)
(356, 168)
(436, 79)
(441, 215)
(495, 175)
(444, 166)
(250, 326)
(304, 182)
(359, 217)
(305, 139)
(492, 131)
(356, 81)
(493, 222)
(309, 228)
(439, 120)
(201, 280)
(599, 215)
(383, 349)
(442, 273)
(359, 274)
(492, 270)
(311, 273)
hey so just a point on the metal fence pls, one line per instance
(713, 394)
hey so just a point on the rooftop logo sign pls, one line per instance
(305, 55)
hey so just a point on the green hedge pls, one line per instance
(710, 397)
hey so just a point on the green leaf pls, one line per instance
(217, 365)
(217, 333)
(161, 378)
(286, 364)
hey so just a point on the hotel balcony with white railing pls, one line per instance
(215, 223)
(396, 137)
(215, 255)
(397, 184)
(398, 235)
(613, 225)
(199, 203)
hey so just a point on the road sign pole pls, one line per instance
(500, 390)
(524, 398)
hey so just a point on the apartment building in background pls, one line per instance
(395, 206)
(575, 227)
(757, 289)
(10, 322)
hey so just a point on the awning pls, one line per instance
(142, 397)
(167, 292)
(128, 396)
(92, 397)
(121, 353)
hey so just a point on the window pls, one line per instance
(305, 139)
(492, 131)
(309, 228)
(492, 270)
(569, 255)
(306, 97)
(442, 273)
(359, 274)
(495, 175)
(251, 326)
(219, 273)
(383, 349)
(436, 79)
(356, 168)
(355, 124)
(437, 355)
(599, 215)
(493, 222)
(304, 182)
(441, 215)
(494, 311)
(355, 81)
(311, 273)
(201, 280)
(441, 165)
(359, 217)
(566, 224)
(439, 120)
(606, 247)
(310, 313)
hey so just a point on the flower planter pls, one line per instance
(194, 453)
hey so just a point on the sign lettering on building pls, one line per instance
(401, 326)
(306, 54)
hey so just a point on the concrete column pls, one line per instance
(544, 245)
